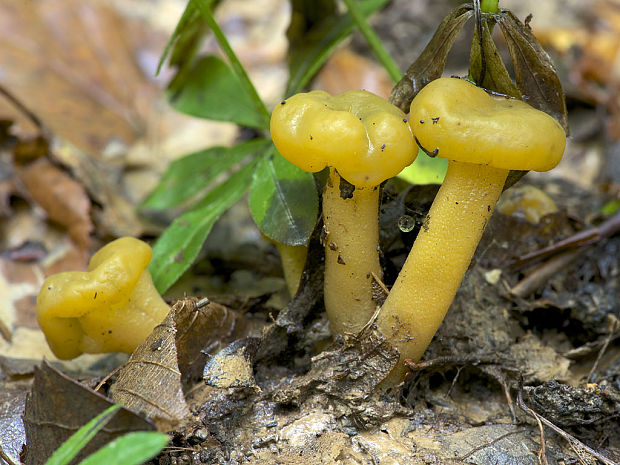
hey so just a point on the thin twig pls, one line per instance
(573, 441)
(582, 239)
(609, 338)
(453, 360)
(541, 275)
(6, 458)
(202, 302)
(107, 377)
(17, 103)
(489, 444)
(542, 453)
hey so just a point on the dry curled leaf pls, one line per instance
(67, 62)
(535, 73)
(431, 62)
(63, 198)
(58, 406)
(168, 362)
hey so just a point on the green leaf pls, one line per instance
(425, 170)
(535, 74)
(373, 41)
(611, 207)
(431, 62)
(205, 7)
(211, 90)
(190, 175)
(310, 46)
(130, 449)
(283, 200)
(178, 246)
(188, 20)
(72, 446)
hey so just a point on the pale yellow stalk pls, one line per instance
(351, 255)
(439, 258)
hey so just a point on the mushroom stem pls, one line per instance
(293, 258)
(351, 255)
(438, 260)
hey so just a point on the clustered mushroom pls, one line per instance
(364, 140)
(482, 136)
(112, 307)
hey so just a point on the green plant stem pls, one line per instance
(489, 6)
(204, 6)
(373, 40)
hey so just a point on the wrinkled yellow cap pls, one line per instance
(365, 138)
(112, 307)
(452, 118)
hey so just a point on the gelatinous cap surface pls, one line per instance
(452, 118)
(111, 307)
(358, 133)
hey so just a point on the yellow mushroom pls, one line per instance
(364, 140)
(483, 137)
(527, 202)
(112, 307)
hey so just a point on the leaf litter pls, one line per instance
(312, 403)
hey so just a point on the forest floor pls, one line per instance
(524, 370)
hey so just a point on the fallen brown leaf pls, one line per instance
(67, 63)
(171, 359)
(64, 200)
(58, 406)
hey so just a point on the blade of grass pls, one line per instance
(373, 40)
(204, 6)
(72, 446)
(130, 449)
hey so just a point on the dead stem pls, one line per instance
(6, 458)
(582, 239)
(541, 275)
(612, 333)
(489, 444)
(449, 361)
(107, 377)
(17, 103)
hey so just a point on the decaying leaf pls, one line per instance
(64, 199)
(431, 62)
(486, 67)
(309, 299)
(167, 363)
(58, 406)
(67, 61)
(13, 434)
(233, 365)
(535, 74)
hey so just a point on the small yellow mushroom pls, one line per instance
(112, 307)
(527, 202)
(364, 140)
(483, 137)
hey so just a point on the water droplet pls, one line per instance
(406, 223)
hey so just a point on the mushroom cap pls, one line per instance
(365, 138)
(111, 307)
(452, 118)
